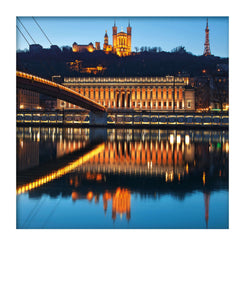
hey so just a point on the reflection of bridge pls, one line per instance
(50, 88)
(60, 172)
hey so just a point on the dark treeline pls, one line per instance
(148, 62)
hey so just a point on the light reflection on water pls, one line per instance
(121, 178)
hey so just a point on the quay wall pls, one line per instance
(125, 119)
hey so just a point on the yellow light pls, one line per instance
(171, 138)
(178, 139)
(203, 178)
(227, 147)
(61, 171)
(187, 139)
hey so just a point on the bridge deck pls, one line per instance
(47, 87)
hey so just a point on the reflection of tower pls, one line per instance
(121, 203)
(206, 200)
(106, 198)
(206, 45)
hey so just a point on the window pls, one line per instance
(188, 104)
(159, 103)
(165, 103)
(170, 104)
(180, 104)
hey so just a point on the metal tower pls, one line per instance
(206, 45)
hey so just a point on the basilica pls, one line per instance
(121, 43)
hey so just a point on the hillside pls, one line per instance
(48, 63)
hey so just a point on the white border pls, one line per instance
(122, 264)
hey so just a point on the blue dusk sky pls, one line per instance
(164, 32)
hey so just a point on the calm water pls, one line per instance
(98, 178)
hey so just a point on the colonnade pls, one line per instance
(158, 98)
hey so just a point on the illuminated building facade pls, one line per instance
(81, 48)
(121, 43)
(78, 67)
(138, 93)
(27, 99)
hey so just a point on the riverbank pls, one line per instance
(126, 119)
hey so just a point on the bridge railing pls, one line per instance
(61, 87)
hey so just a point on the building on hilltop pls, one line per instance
(121, 43)
(81, 48)
(106, 47)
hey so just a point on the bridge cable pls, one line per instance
(23, 35)
(26, 30)
(42, 30)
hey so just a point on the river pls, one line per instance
(73, 178)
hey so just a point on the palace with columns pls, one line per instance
(137, 93)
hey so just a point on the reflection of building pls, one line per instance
(27, 154)
(146, 93)
(120, 199)
(121, 203)
(144, 158)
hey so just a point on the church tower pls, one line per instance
(129, 33)
(206, 44)
(114, 36)
(105, 41)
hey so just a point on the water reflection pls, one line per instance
(129, 165)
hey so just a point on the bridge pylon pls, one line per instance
(98, 118)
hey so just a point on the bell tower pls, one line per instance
(114, 36)
(129, 34)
